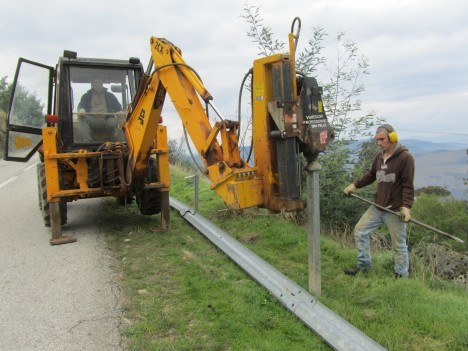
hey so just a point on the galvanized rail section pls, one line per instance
(336, 332)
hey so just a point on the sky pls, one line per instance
(417, 49)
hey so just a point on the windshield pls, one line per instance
(100, 98)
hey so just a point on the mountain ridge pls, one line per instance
(418, 146)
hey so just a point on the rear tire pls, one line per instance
(149, 200)
(44, 205)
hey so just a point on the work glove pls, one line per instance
(405, 214)
(351, 188)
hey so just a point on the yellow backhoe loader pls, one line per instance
(115, 143)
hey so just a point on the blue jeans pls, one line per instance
(100, 129)
(371, 220)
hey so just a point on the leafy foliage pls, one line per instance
(5, 92)
(27, 108)
(433, 190)
(311, 59)
(178, 157)
(343, 88)
(260, 34)
(175, 150)
(337, 170)
(2, 132)
(447, 214)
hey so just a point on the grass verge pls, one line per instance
(181, 293)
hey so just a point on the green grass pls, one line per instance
(182, 293)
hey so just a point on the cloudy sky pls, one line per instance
(417, 49)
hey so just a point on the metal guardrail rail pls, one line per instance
(334, 330)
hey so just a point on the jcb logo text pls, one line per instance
(141, 117)
(158, 47)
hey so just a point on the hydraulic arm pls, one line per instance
(233, 179)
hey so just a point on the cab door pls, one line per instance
(30, 101)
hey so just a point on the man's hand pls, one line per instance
(351, 188)
(81, 113)
(405, 214)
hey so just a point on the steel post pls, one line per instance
(313, 228)
(195, 178)
(165, 211)
(56, 226)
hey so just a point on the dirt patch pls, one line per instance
(444, 263)
(249, 238)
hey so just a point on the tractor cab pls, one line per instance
(88, 99)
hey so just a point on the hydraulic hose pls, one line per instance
(239, 105)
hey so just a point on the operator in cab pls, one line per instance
(97, 114)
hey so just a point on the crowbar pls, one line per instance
(411, 220)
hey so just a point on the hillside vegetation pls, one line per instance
(2, 132)
(181, 293)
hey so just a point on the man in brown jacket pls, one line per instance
(393, 169)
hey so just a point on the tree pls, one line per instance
(447, 214)
(176, 147)
(261, 35)
(433, 190)
(4, 99)
(2, 132)
(341, 79)
(27, 108)
(5, 92)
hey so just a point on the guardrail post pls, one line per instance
(313, 227)
(193, 179)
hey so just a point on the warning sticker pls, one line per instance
(323, 136)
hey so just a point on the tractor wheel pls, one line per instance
(149, 200)
(43, 203)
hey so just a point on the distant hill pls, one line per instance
(421, 146)
(445, 168)
(440, 164)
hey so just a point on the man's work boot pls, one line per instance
(355, 270)
(398, 276)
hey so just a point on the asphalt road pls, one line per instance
(53, 297)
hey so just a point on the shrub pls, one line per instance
(447, 214)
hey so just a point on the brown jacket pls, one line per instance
(394, 179)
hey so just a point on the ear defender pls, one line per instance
(392, 135)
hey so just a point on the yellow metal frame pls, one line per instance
(77, 162)
(49, 139)
(264, 146)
